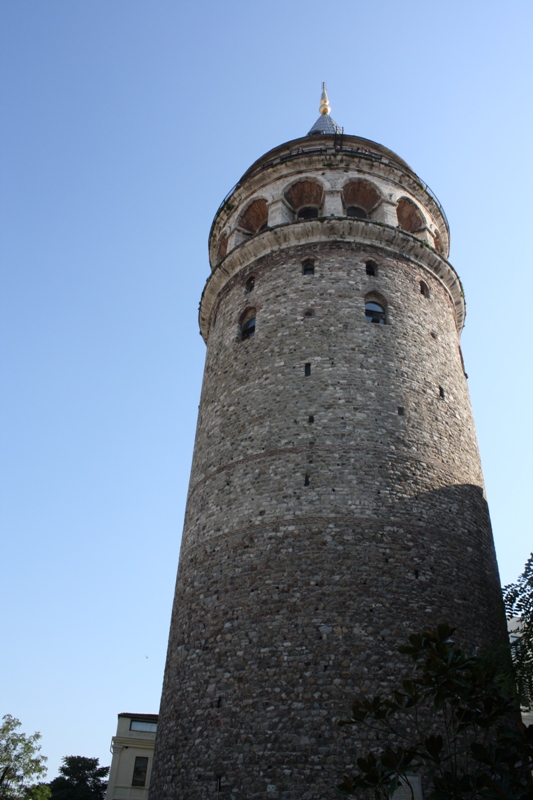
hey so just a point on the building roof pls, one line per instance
(324, 124)
(147, 717)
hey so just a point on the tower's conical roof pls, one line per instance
(324, 124)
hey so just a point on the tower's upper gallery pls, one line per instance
(328, 174)
(328, 185)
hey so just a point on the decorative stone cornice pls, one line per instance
(329, 229)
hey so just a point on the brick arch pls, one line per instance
(362, 193)
(304, 193)
(376, 297)
(410, 217)
(255, 216)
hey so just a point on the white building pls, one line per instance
(133, 750)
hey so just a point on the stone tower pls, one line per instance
(336, 500)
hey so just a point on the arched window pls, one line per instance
(374, 312)
(360, 198)
(424, 289)
(250, 283)
(308, 212)
(255, 217)
(308, 268)
(305, 198)
(247, 324)
(371, 268)
(357, 212)
(410, 217)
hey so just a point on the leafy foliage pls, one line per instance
(455, 722)
(80, 779)
(39, 791)
(518, 599)
(20, 759)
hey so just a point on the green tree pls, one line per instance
(39, 791)
(518, 599)
(455, 722)
(20, 759)
(79, 779)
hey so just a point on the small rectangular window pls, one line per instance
(442, 392)
(311, 418)
(307, 370)
(140, 771)
(401, 411)
(143, 725)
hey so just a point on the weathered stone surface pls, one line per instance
(328, 517)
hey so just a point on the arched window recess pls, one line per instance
(375, 310)
(360, 198)
(305, 198)
(357, 212)
(247, 324)
(255, 217)
(307, 212)
(410, 218)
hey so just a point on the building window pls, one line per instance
(409, 216)
(305, 198)
(140, 771)
(250, 283)
(371, 268)
(357, 212)
(248, 329)
(360, 198)
(424, 289)
(308, 268)
(255, 218)
(143, 725)
(308, 212)
(374, 312)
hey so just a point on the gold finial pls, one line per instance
(325, 107)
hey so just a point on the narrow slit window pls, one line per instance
(424, 289)
(140, 771)
(307, 370)
(250, 284)
(374, 312)
(306, 480)
(401, 411)
(311, 418)
(371, 268)
(442, 393)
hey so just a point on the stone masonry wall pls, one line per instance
(328, 517)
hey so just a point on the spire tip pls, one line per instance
(325, 107)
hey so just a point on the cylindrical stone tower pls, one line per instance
(336, 500)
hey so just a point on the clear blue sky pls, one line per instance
(123, 126)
